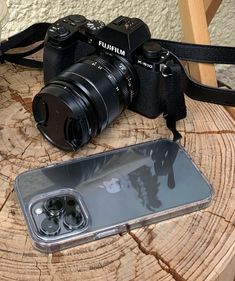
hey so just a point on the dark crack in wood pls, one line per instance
(165, 265)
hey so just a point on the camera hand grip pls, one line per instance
(56, 60)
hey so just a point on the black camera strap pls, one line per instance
(203, 54)
(175, 108)
(33, 34)
(178, 80)
(199, 52)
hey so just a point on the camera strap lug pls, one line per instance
(165, 70)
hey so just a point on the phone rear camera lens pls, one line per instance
(74, 220)
(50, 226)
(71, 202)
(55, 206)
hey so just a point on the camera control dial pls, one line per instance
(152, 50)
(94, 27)
(62, 31)
(66, 29)
(58, 30)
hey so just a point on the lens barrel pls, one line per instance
(84, 99)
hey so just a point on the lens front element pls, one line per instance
(50, 226)
(55, 206)
(73, 220)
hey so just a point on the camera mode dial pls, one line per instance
(94, 27)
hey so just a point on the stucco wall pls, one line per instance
(161, 16)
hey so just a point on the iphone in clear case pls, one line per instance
(108, 193)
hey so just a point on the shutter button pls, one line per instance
(77, 18)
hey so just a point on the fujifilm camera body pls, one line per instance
(92, 72)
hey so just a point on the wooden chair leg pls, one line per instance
(195, 18)
(195, 30)
(211, 6)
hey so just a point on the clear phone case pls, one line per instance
(108, 193)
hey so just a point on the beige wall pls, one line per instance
(161, 16)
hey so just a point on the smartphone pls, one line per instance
(113, 192)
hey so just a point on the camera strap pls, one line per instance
(175, 108)
(178, 81)
(33, 34)
(202, 54)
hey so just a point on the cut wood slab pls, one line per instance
(198, 246)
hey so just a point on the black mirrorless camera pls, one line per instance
(92, 72)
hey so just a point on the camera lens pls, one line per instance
(50, 226)
(55, 206)
(71, 202)
(74, 220)
(84, 99)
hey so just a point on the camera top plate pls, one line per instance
(126, 33)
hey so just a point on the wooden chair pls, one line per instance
(195, 18)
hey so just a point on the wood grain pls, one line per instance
(195, 19)
(198, 246)
(195, 30)
(211, 7)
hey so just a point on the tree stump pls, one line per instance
(197, 246)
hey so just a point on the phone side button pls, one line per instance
(106, 233)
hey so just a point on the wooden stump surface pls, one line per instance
(198, 246)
